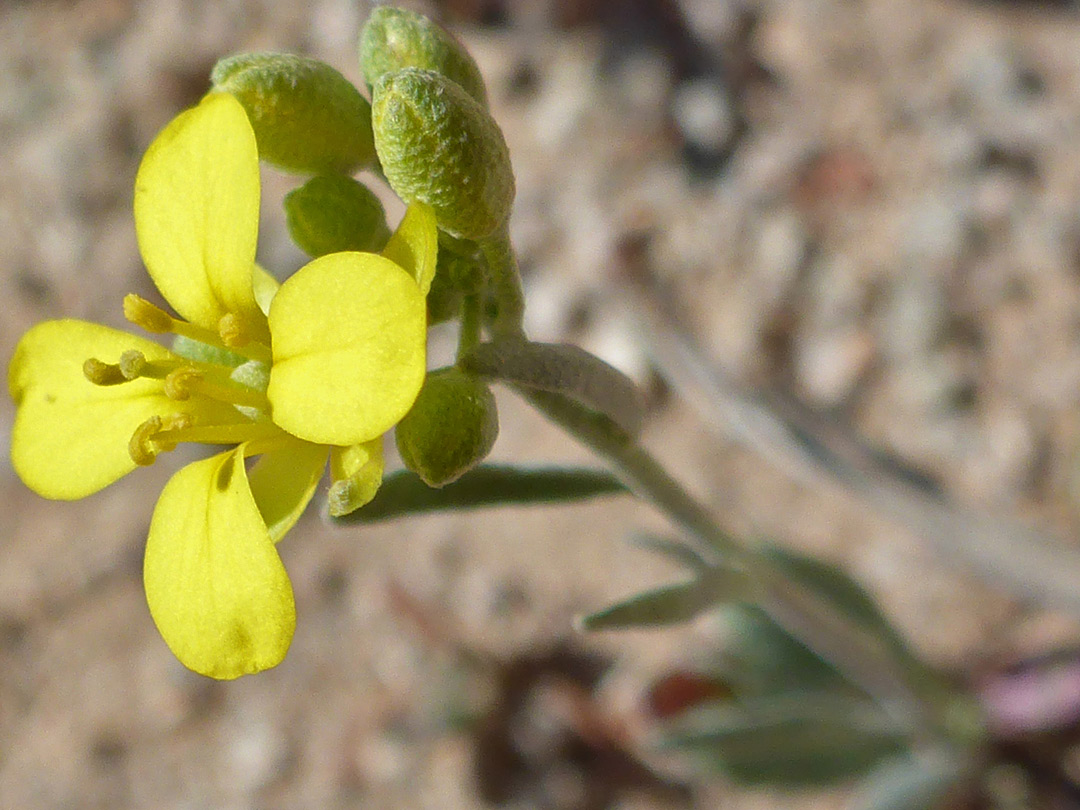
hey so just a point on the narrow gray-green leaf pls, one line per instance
(842, 591)
(675, 550)
(563, 369)
(670, 604)
(797, 739)
(403, 493)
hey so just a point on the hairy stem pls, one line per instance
(506, 283)
(469, 330)
(862, 657)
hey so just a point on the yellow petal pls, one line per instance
(348, 339)
(357, 473)
(216, 587)
(415, 244)
(283, 482)
(70, 437)
(197, 213)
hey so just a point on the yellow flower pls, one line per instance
(317, 368)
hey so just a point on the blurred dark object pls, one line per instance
(487, 13)
(676, 692)
(545, 741)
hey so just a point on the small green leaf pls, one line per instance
(563, 369)
(675, 550)
(796, 739)
(331, 213)
(307, 117)
(920, 780)
(395, 38)
(759, 658)
(670, 604)
(403, 493)
(840, 589)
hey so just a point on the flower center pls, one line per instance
(208, 382)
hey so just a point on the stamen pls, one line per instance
(132, 364)
(231, 329)
(223, 434)
(184, 381)
(180, 382)
(141, 445)
(236, 336)
(233, 394)
(232, 334)
(149, 438)
(149, 316)
(103, 373)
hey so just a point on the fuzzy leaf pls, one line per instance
(563, 369)
(403, 493)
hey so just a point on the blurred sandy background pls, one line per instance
(876, 203)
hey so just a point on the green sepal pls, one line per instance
(564, 369)
(205, 353)
(443, 299)
(670, 604)
(460, 272)
(331, 213)
(307, 117)
(403, 493)
(463, 263)
(396, 38)
(450, 429)
(799, 739)
(438, 145)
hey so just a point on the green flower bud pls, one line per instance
(332, 212)
(438, 145)
(395, 38)
(307, 117)
(451, 427)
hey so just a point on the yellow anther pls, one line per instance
(103, 373)
(233, 331)
(132, 364)
(141, 446)
(173, 422)
(150, 317)
(145, 443)
(180, 382)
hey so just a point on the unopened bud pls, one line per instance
(440, 146)
(396, 38)
(450, 429)
(331, 213)
(307, 117)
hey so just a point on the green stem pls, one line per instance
(906, 689)
(639, 470)
(862, 657)
(469, 331)
(506, 283)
